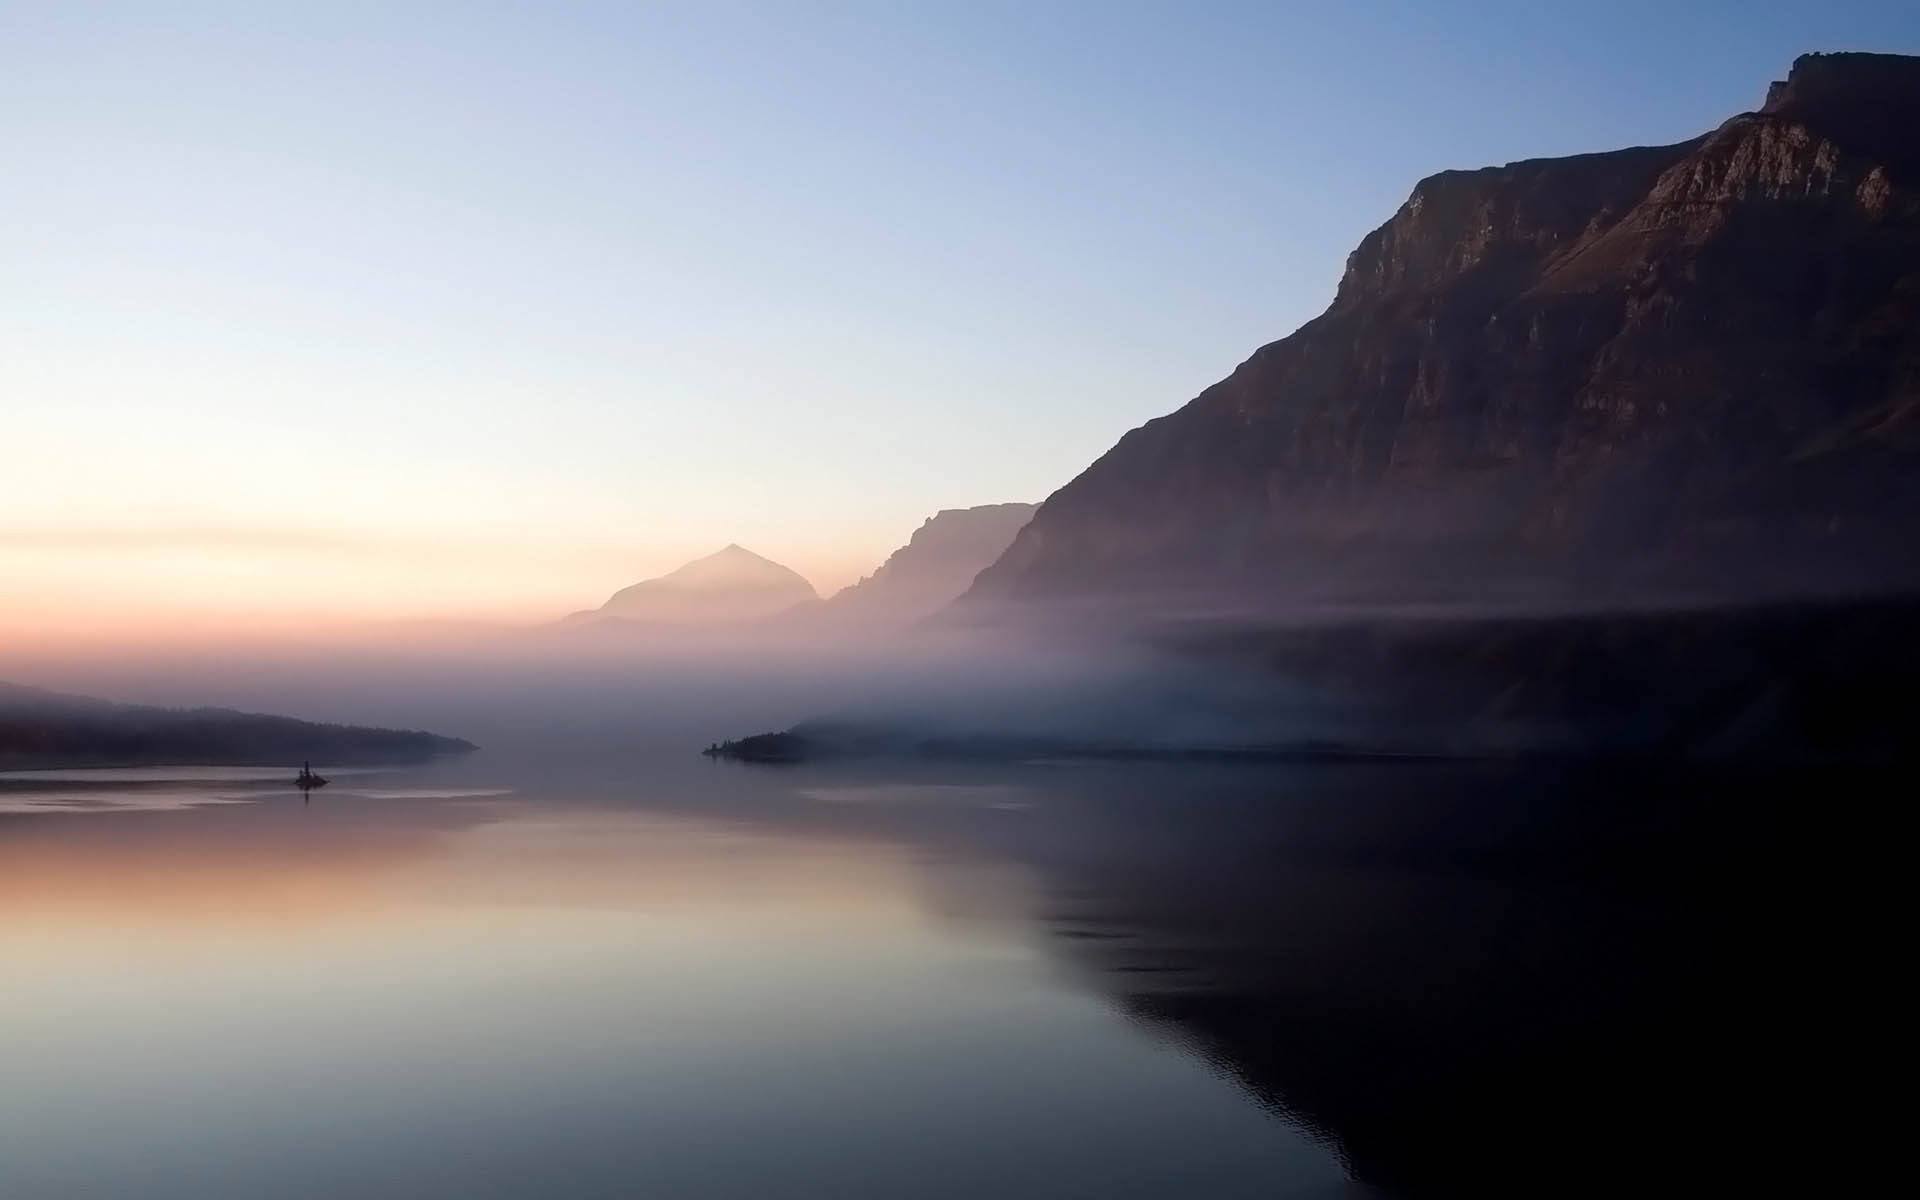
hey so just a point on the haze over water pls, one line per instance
(615, 969)
(1443, 755)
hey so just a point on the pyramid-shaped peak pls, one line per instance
(735, 565)
(735, 555)
(731, 584)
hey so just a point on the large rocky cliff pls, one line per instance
(1656, 374)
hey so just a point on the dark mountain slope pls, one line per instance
(1661, 374)
(49, 729)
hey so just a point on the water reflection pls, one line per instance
(649, 976)
(1508, 982)
(614, 983)
(1480, 980)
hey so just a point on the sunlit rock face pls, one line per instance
(731, 586)
(1659, 374)
(933, 569)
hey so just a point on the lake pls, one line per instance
(637, 973)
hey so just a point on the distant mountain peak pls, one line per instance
(733, 563)
(938, 563)
(730, 585)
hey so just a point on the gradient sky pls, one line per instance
(481, 310)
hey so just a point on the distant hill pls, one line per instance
(728, 587)
(1685, 373)
(51, 729)
(935, 566)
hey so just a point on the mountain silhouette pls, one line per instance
(938, 564)
(1659, 374)
(730, 586)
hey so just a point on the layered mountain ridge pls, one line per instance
(734, 587)
(1659, 374)
(935, 567)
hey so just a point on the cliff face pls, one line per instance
(936, 565)
(1661, 373)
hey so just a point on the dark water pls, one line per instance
(642, 975)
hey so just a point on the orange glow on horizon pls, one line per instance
(93, 584)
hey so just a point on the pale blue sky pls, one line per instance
(487, 309)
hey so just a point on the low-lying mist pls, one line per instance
(557, 687)
(1797, 681)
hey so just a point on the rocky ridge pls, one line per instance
(938, 564)
(1656, 375)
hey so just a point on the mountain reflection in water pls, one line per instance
(1514, 982)
(1473, 980)
(650, 975)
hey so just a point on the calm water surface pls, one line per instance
(646, 975)
(467, 979)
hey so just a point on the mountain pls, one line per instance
(727, 587)
(937, 564)
(1659, 374)
(41, 728)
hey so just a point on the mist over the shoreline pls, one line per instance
(530, 686)
(1798, 682)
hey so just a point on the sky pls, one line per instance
(368, 311)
